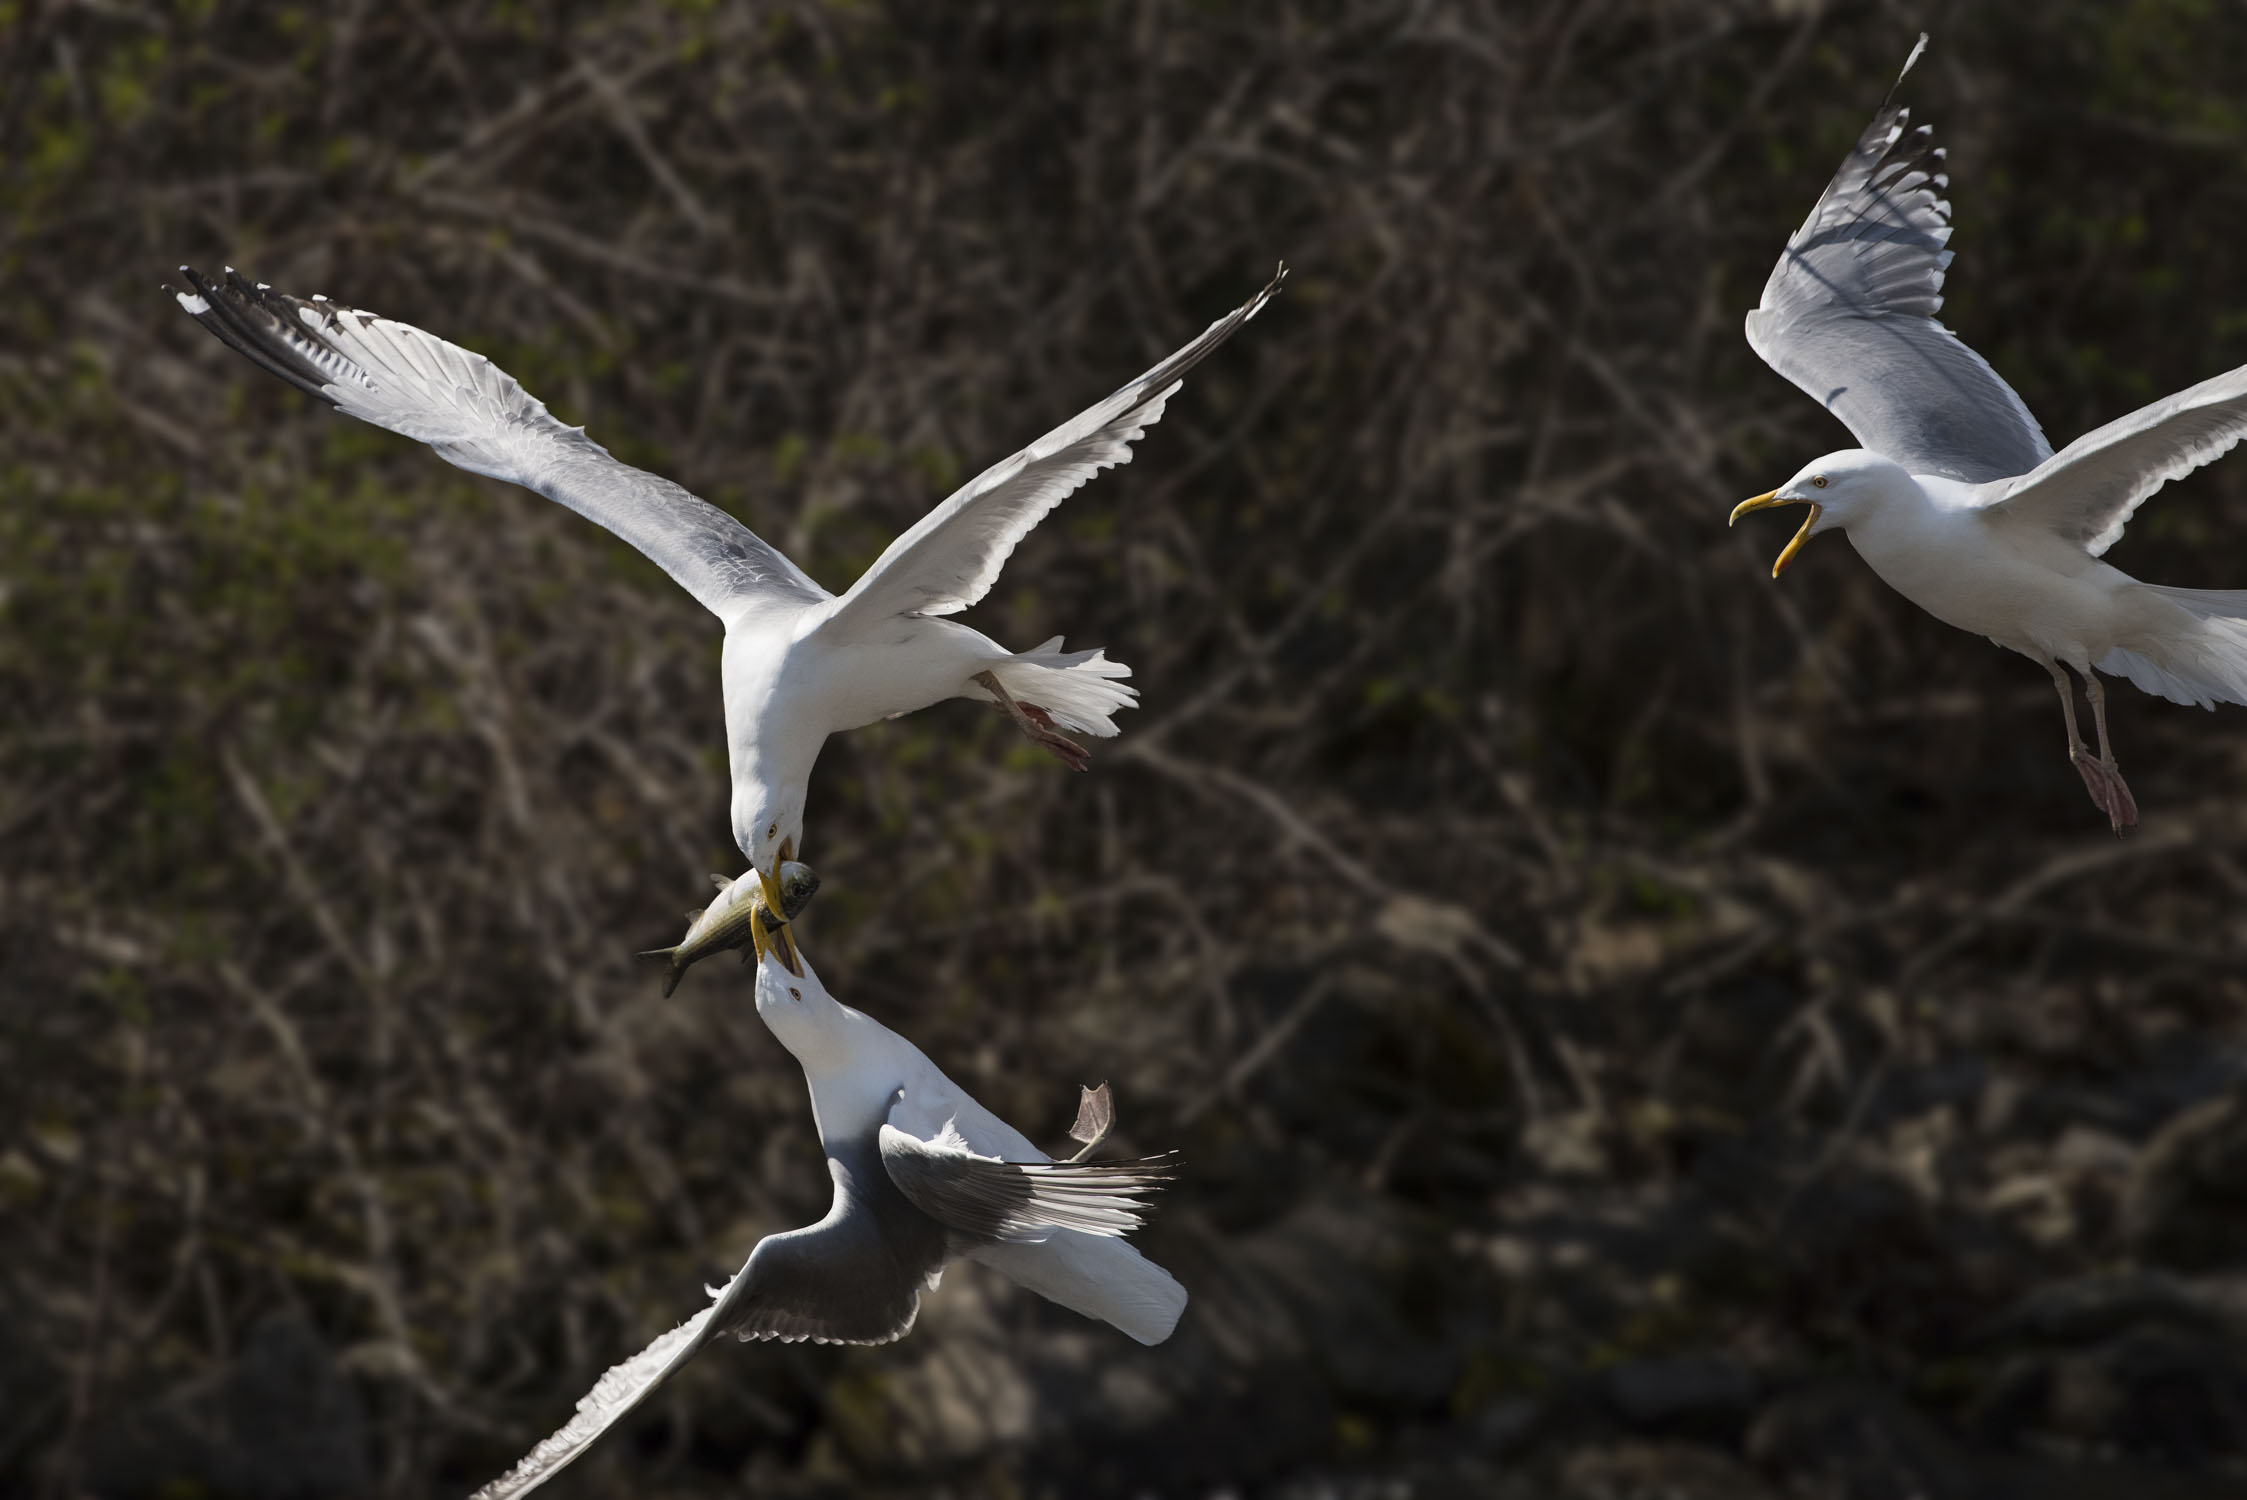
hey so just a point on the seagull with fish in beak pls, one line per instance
(923, 1175)
(732, 921)
(799, 664)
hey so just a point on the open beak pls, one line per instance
(1766, 501)
(769, 932)
(769, 936)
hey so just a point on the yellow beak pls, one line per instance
(776, 941)
(1766, 501)
(771, 887)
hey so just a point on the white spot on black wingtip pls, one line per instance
(319, 296)
(195, 305)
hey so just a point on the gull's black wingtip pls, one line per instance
(257, 323)
(196, 301)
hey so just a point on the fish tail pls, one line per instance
(669, 956)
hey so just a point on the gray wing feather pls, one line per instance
(476, 416)
(952, 556)
(618, 1391)
(988, 1199)
(1849, 316)
(853, 1278)
(2088, 491)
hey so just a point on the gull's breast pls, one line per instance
(1970, 573)
(909, 664)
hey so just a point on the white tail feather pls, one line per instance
(1100, 1277)
(2204, 663)
(1079, 688)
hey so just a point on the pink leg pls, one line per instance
(2123, 809)
(1036, 723)
(2100, 779)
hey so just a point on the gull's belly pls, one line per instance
(785, 693)
(1966, 575)
(807, 688)
(910, 664)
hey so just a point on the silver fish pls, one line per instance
(729, 921)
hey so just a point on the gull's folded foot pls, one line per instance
(2109, 792)
(2124, 809)
(1062, 748)
(1037, 724)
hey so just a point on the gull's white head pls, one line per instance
(1840, 488)
(798, 1011)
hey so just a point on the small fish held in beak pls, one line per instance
(733, 919)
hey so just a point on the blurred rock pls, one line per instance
(1850, 1441)
(2186, 1204)
(1658, 1471)
(2153, 1391)
(1700, 1389)
(1502, 1426)
(2091, 1307)
(279, 1422)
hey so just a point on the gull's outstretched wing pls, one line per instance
(1849, 316)
(989, 1199)
(476, 416)
(855, 1277)
(2087, 492)
(952, 556)
(623, 1387)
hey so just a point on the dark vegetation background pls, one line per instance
(1634, 1029)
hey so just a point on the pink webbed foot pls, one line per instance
(2109, 792)
(1037, 725)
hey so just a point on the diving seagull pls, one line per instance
(799, 663)
(1955, 498)
(923, 1175)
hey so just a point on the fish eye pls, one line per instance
(795, 994)
(1819, 480)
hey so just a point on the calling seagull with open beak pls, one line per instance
(1766, 501)
(1955, 498)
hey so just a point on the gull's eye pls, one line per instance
(1819, 480)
